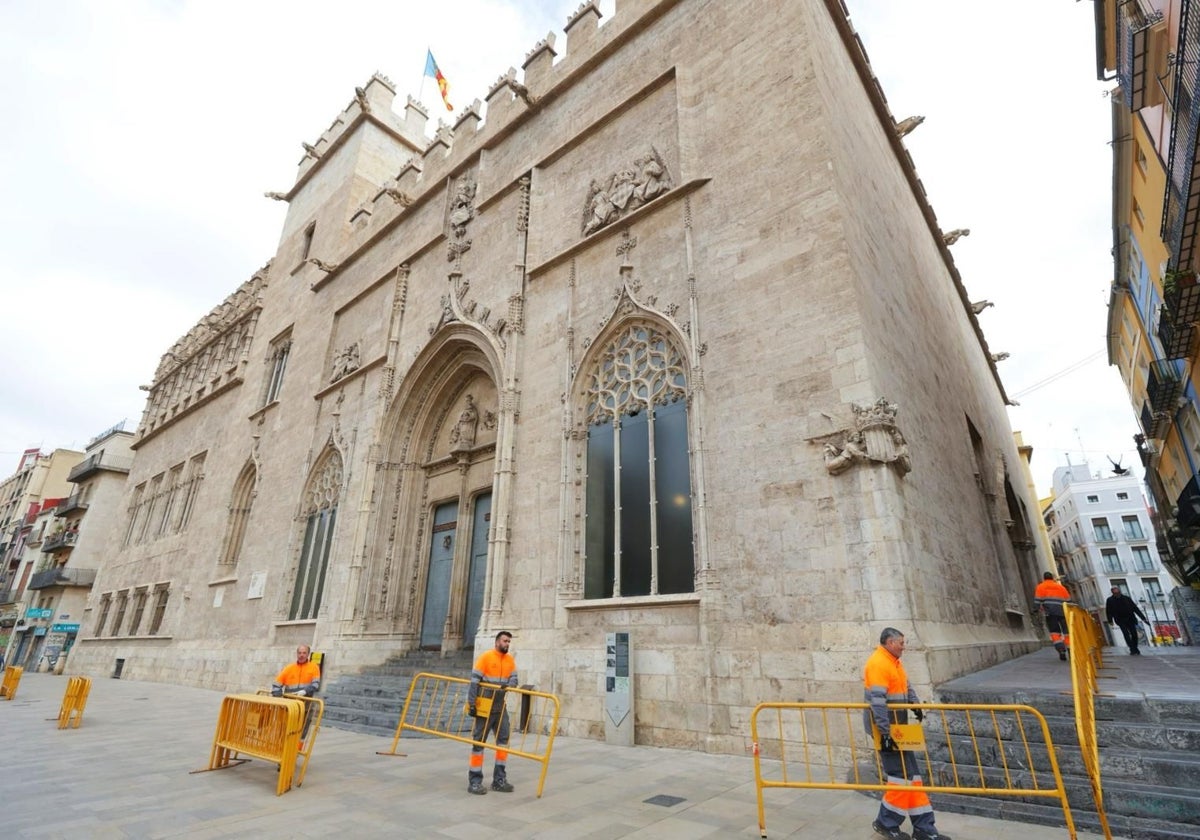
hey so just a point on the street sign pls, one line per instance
(34, 612)
(64, 628)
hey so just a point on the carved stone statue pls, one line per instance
(980, 305)
(999, 357)
(462, 211)
(462, 436)
(322, 265)
(600, 210)
(276, 196)
(904, 127)
(955, 235)
(311, 151)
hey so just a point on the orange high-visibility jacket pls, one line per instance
(884, 681)
(295, 676)
(494, 667)
(1050, 596)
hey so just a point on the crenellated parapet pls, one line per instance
(210, 358)
(512, 98)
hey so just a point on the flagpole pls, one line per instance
(421, 87)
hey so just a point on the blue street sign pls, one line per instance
(34, 612)
(64, 628)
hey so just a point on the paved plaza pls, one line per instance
(125, 774)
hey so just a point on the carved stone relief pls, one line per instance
(345, 361)
(625, 190)
(875, 437)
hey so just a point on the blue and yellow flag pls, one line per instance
(431, 69)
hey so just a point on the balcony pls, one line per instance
(1163, 386)
(1181, 205)
(62, 577)
(1141, 48)
(1188, 504)
(74, 503)
(100, 461)
(59, 541)
(1155, 423)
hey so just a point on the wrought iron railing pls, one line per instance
(1179, 206)
(75, 502)
(1164, 385)
(63, 539)
(99, 461)
(1188, 506)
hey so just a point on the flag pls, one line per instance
(431, 69)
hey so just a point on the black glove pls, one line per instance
(887, 744)
(471, 710)
(276, 691)
(919, 715)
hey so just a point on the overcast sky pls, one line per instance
(140, 136)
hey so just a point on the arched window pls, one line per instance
(638, 532)
(320, 517)
(239, 514)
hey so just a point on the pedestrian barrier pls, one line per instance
(436, 705)
(314, 712)
(824, 746)
(12, 678)
(70, 714)
(1086, 659)
(264, 727)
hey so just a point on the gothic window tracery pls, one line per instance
(319, 516)
(638, 531)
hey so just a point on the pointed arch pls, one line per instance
(240, 503)
(318, 518)
(631, 403)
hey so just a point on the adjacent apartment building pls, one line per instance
(1102, 534)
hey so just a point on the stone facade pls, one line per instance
(693, 247)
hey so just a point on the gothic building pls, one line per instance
(650, 343)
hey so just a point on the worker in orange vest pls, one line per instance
(884, 682)
(494, 670)
(1049, 598)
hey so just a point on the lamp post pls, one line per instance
(1154, 617)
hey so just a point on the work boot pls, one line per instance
(890, 833)
(501, 784)
(918, 834)
(476, 786)
(1062, 654)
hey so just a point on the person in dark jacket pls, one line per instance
(1121, 609)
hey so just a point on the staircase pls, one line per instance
(1149, 764)
(371, 700)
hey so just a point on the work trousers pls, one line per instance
(907, 799)
(496, 722)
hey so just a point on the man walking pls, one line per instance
(1120, 608)
(1049, 597)
(884, 682)
(495, 670)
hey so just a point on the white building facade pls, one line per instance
(1102, 535)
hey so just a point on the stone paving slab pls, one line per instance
(124, 774)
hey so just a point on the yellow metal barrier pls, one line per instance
(70, 714)
(314, 712)
(824, 745)
(1086, 659)
(264, 727)
(12, 678)
(435, 705)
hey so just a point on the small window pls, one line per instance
(277, 360)
(1092, 500)
(1102, 532)
(1133, 528)
(1141, 158)
(1112, 563)
(139, 607)
(122, 603)
(1122, 497)
(1138, 214)
(161, 593)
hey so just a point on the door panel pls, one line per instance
(437, 584)
(478, 572)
